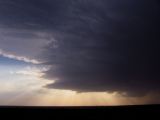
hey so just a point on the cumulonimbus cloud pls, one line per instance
(107, 46)
(99, 45)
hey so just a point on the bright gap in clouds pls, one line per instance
(24, 85)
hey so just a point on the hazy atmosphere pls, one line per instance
(79, 52)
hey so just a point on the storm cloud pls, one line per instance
(94, 45)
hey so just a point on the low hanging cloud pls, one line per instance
(107, 46)
(93, 45)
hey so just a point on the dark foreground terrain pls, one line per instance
(81, 112)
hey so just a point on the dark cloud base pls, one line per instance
(100, 45)
(107, 46)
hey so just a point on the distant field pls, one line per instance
(82, 113)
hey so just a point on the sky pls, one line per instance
(79, 52)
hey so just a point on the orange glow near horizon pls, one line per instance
(26, 87)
